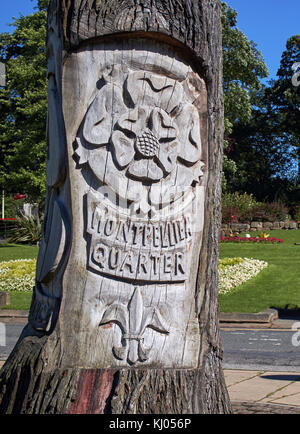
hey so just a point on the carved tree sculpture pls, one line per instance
(124, 317)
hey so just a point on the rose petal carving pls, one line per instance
(124, 150)
(98, 123)
(189, 134)
(145, 169)
(153, 90)
(153, 139)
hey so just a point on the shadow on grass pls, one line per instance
(288, 312)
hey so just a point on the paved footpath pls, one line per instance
(263, 392)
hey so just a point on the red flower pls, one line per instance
(19, 196)
(237, 239)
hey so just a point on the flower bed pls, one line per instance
(233, 274)
(17, 275)
(237, 239)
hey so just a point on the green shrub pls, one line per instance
(245, 202)
(269, 212)
(236, 207)
(244, 208)
(11, 208)
(296, 213)
(231, 214)
(27, 230)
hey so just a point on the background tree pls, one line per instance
(23, 106)
(266, 149)
(284, 97)
(262, 134)
(263, 157)
(243, 68)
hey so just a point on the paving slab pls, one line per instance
(265, 317)
(286, 395)
(234, 377)
(256, 387)
(13, 316)
(261, 408)
(289, 400)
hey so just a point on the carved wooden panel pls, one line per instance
(136, 140)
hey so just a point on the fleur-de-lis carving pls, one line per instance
(133, 320)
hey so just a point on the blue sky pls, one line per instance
(13, 8)
(269, 23)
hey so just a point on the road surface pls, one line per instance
(276, 350)
(9, 334)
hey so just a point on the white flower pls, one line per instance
(232, 276)
(17, 275)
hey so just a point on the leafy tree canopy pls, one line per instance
(265, 149)
(23, 106)
(284, 95)
(243, 67)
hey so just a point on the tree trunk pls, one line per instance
(124, 317)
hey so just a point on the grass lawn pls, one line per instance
(9, 252)
(277, 286)
(19, 300)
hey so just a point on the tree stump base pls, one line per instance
(29, 386)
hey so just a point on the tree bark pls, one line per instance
(124, 317)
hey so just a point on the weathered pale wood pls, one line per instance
(124, 314)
